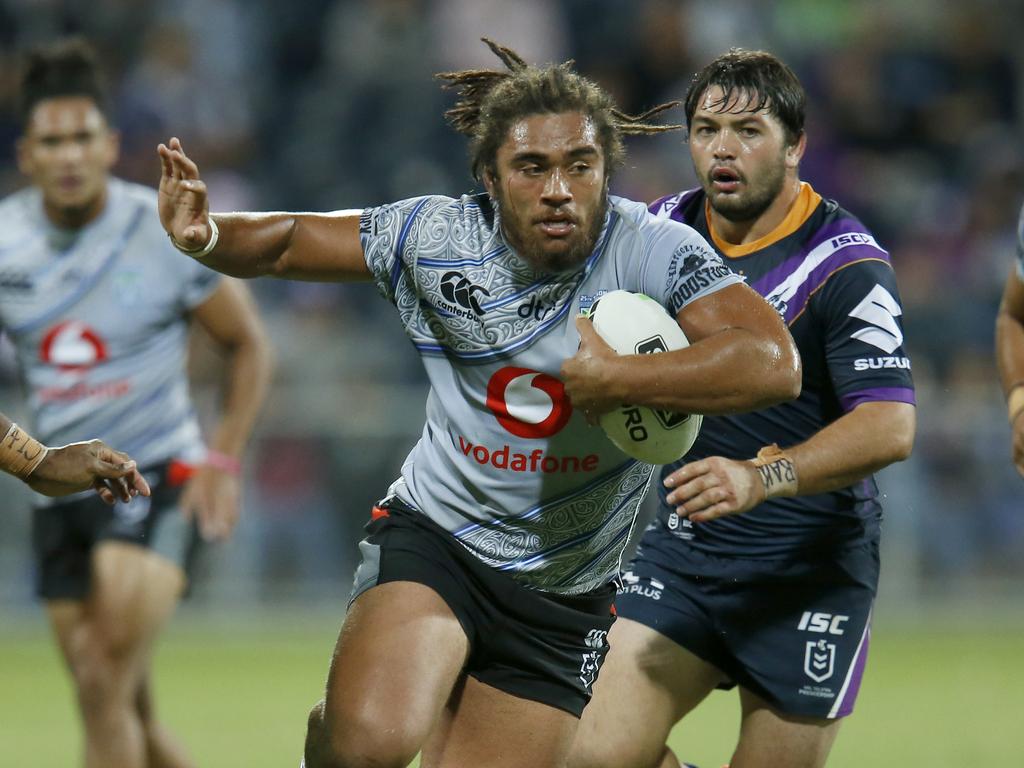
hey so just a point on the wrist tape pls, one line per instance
(20, 453)
(777, 471)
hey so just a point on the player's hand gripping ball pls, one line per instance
(635, 324)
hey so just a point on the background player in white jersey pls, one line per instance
(99, 317)
(1010, 348)
(761, 568)
(58, 471)
(482, 603)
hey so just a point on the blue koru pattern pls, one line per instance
(569, 546)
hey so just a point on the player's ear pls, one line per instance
(490, 182)
(795, 151)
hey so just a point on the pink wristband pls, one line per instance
(223, 461)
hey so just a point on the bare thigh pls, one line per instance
(647, 684)
(769, 739)
(397, 659)
(487, 727)
(132, 594)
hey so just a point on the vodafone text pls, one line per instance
(534, 461)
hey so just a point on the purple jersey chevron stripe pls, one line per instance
(842, 227)
(789, 286)
(878, 394)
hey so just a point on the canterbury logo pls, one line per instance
(880, 310)
(457, 289)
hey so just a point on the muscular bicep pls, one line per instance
(325, 247)
(733, 307)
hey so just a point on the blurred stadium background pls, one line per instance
(915, 124)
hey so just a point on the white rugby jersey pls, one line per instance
(98, 317)
(504, 463)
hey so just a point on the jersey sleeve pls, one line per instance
(859, 307)
(394, 235)
(681, 267)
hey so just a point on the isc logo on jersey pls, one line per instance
(533, 406)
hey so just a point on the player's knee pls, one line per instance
(612, 747)
(350, 739)
(102, 671)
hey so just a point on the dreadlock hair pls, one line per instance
(489, 102)
(64, 68)
(756, 80)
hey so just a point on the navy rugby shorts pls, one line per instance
(530, 644)
(794, 632)
(64, 534)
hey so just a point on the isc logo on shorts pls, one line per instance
(822, 622)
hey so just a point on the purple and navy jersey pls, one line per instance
(834, 286)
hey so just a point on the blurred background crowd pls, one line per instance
(915, 124)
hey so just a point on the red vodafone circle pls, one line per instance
(528, 403)
(72, 345)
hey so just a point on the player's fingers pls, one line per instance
(714, 511)
(190, 168)
(686, 473)
(585, 327)
(692, 488)
(166, 167)
(704, 500)
(138, 483)
(104, 492)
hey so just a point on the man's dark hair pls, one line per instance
(490, 102)
(756, 80)
(64, 68)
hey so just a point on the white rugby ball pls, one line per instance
(635, 324)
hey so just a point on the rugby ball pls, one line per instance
(635, 324)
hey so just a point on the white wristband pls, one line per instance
(206, 250)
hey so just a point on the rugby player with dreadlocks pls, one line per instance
(480, 611)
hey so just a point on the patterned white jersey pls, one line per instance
(98, 317)
(504, 463)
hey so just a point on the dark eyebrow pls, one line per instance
(541, 157)
(737, 117)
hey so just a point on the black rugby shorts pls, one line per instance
(531, 644)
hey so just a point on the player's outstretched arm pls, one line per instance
(1010, 359)
(69, 468)
(298, 246)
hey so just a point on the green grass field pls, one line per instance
(932, 697)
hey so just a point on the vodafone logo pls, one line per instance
(528, 403)
(72, 345)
